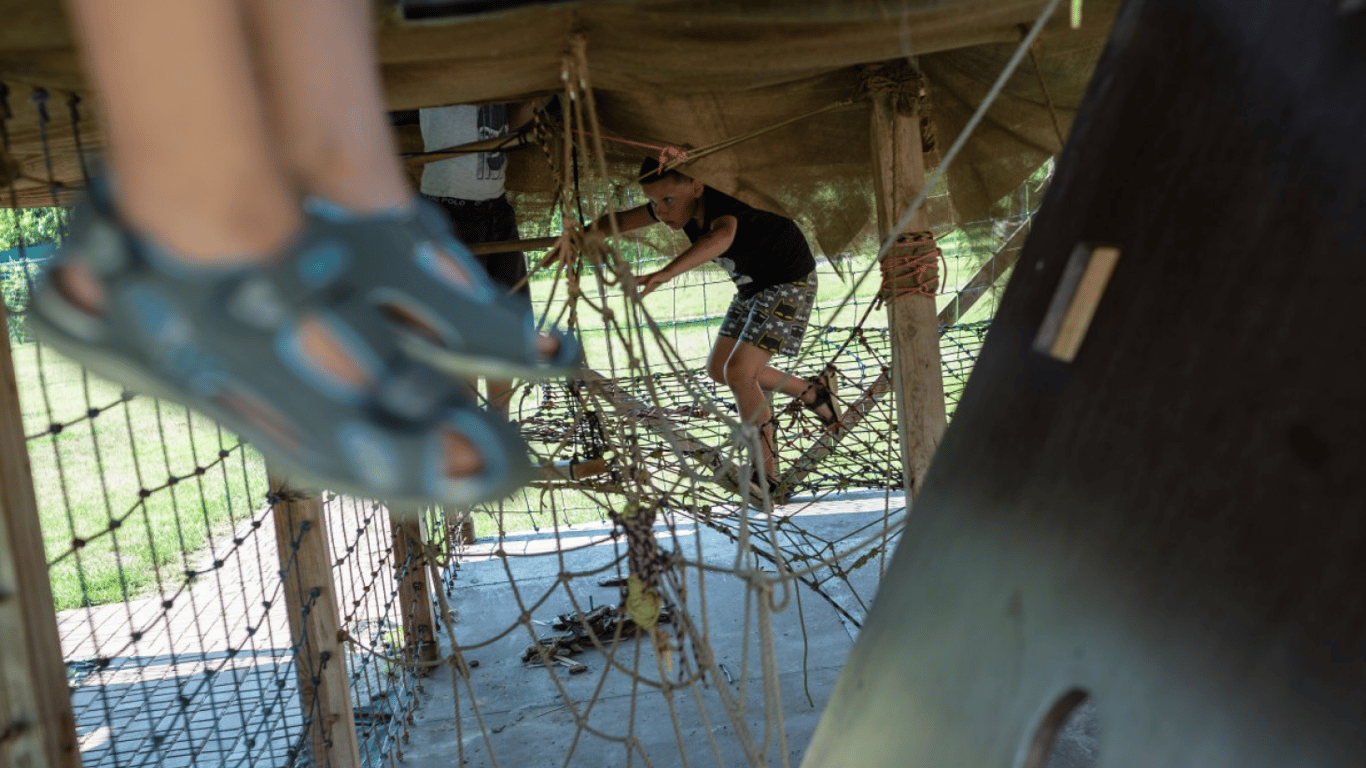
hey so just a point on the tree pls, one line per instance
(31, 226)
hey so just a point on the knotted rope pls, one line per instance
(911, 267)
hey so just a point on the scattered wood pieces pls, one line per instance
(577, 632)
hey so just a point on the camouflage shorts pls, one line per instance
(773, 319)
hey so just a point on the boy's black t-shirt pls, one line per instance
(768, 249)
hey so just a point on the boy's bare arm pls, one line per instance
(710, 245)
(635, 218)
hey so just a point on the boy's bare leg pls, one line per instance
(743, 368)
(769, 378)
(187, 144)
(500, 395)
(325, 101)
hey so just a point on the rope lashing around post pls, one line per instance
(911, 267)
(907, 85)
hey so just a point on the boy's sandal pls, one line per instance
(242, 347)
(452, 315)
(760, 485)
(821, 398)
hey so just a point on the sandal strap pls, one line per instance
(433, 277)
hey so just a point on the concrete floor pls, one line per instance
(534, 716)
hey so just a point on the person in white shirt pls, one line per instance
(470, 189)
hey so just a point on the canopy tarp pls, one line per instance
(685, 73)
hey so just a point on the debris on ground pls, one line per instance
(577, 631)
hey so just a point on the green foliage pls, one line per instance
(14, 286)
(31, 226)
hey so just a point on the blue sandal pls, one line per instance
(240, 345)
(426, 277)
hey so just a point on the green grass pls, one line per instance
(107, 543)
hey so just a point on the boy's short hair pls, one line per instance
(649, 172)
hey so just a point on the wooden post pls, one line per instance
(414, 593)
(899, 175)
(314, 625)
(37, 727)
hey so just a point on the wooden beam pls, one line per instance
(976, 287)
(495, 144)
(899, 175)
(825, 444)
(414, 593)
(37, 727)
(630, 406)
(708, 457)
(504, 246)
(314, 624)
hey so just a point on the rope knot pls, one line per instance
(911, 267)
(671, 154)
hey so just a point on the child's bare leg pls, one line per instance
(325, 100)
(742, 371)
(195, 162)
(500, 395)
(187, 144)
(769, 378)
(327, 107)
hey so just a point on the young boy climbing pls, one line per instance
(774, 273)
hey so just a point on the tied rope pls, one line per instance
(911, 267)
(670, 156)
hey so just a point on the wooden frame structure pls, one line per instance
(37, 727)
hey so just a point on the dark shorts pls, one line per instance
(489, 221)
(773, 319)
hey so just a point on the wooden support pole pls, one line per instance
(314, 625)
(414, 594)
(899, 175)
(495, 144)
(37, 727)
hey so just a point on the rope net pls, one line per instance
(638, 603)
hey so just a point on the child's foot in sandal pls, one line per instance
(315, 378)
(454, 316)
(818, 399)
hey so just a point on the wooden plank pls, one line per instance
(913, 325)
(1075, 301)
(629, 406)
(976, 287)
(709, 458)
(504, 246)
(830, 438)
(414, 594)
(495, 144)
(314, 624)
(37, 727)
